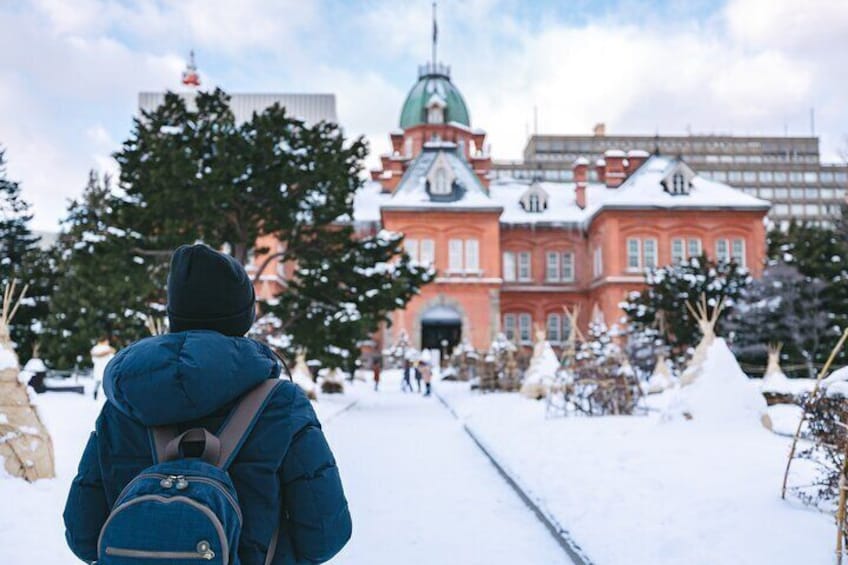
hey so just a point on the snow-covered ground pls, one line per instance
(420, 491)
(642, 491)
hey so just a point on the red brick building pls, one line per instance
(510, 253)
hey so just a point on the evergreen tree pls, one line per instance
(21, 259)
(105, 290)
(660, 310)
(818, 253)
(785, 307)
(198, 175)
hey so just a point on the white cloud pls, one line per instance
(69, 81)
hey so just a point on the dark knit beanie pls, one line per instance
(208, 290)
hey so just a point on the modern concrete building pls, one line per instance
(787, 171)
(311, 108)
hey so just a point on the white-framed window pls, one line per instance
(435, 115)
(472, 255)
(694, 247)
(678, 254)
(428, 252)
(737, 251)
(525, 273)
(554, 328)
(525, 324)
(634, 254)
(568, 267)
(552, 266)
(455, 255)
(441, 186)
(649, 253)
(509, 266)
(411, 247)
(598, 262)
(722, 250)
(509, 326)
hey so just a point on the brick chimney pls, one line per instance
(601, 169)
(397, 141)
(581, 172)
(615, 171)
(635, 159)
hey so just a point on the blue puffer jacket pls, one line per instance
(284, 474)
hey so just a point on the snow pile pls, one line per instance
(661, 379)
(722, 394)
(775, 380)
(541, 372)
(836, 384)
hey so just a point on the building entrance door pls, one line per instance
(441, 328)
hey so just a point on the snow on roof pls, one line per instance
(581, 161)
(638, 153)
(600, 162)
(412, 190)
(641, 191)
(614, 153)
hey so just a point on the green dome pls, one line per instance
(433, 80)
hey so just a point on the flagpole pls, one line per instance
(435, 36)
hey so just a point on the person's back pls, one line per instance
(284, 474)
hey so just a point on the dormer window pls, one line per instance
(441, 179)
(535, 199)
(679, 180)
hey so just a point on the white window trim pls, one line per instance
(742, 263)
(558, 326)
(471, 263)
(573, 275)
(689, 254)
(514, 324)
(556, 266)
(521, 317)
(529, 276)
(455, 255)
(682, 256)
(598, 262)
(509, 275)
(656, 246)
(427, 253)
(726, 249)
(638, 255)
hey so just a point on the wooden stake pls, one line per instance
(822, 373)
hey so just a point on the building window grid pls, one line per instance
(525, 324)
(509, 266)
(525, 272)
(509, 326)
(568, 267)
(554, 328)
(634, 259)
(552, 266)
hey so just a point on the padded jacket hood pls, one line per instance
(185, 376)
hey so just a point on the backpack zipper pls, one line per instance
(203, 551)
(208, 554)
(182, 482)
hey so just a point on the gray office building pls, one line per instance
(784, 170)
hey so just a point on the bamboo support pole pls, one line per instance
(821, 375)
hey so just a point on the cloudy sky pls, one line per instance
(70, 70)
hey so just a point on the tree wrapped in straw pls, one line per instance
(706, 324)
(26, 449)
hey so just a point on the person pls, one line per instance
(427, 374)
(418, 376)
(101, 354)
(287, 482)
(377, 366)
(408, 371)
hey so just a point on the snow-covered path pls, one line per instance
(421, 492)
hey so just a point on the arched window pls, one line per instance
(441, 185)
(435, 114)
(533, 203)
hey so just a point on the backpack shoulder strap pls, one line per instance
(242, 419)
(236, 429)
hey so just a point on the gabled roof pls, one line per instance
(411, 192)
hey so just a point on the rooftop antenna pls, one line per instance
(435, 35)
(190, 75)
(813, 122)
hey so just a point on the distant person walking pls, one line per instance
(377, 368)
(101, 354)
(409, 372)
(427, 374)
(418, 377)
